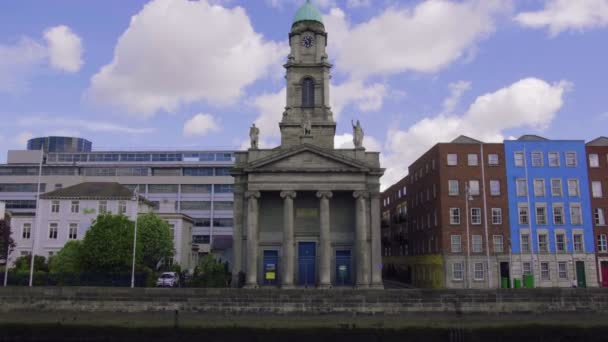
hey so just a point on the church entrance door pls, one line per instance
(306, 263)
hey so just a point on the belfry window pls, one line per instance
(308, 92)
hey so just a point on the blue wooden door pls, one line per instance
(343, 268)
(271, 267)
(306, 263)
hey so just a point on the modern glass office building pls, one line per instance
(60, 144)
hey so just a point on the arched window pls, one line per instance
(308, 92)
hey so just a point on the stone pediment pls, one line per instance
(306, 159)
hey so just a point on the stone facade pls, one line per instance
(305, 213)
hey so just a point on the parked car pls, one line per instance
(168, 279)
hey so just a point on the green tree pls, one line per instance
(22, 264)
(155, 238)
(68, 260)
(5, 238)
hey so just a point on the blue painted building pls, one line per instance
(550, 212)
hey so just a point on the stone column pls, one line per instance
(237, 240)
(324, 240)
(376, 241)
(362, 257)
(252, 238)
(288, 260)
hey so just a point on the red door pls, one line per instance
(604, 273)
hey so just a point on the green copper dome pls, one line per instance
(308, 12)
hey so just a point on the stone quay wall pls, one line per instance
(302, 301)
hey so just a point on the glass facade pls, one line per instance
(60, 144)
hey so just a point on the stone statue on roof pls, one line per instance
(254, 135)
(357, 134)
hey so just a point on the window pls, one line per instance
(477, 244)
(560, 243)
(103, 207)
(452, 159)
(496, 216)
(527, 268)
(75, 208)
(537, 159)
(30, 187)
(308, 92)
(553, 159)
(195, 205)
(456, 244)
(575, 214)
(539, 187)
(556, 187)
(453, 187)
(58, 186)
(475, 215)
(523, 214)
(598, 216)
(541, 213)
(602, 244)
(198, 171)
(558, 214)
(478, 271)
(53, 231)
(196, 188)
(73, 231)
(543, 245)
(492, 159)
(457, 270)
(522, 187)
(54, 206)
(472, 159)
(498, 244)
(571, 159)
(168, 172)
(596, 189)
(562, 270)
(525, 243)
(223, 222)
(225, 205)
(454, 215)
(26, 231)
(519, 159)
(594, 160)
(122, 207)
(544, 271)
(222, 171)
(225, 188)
(495, 188)
(172, 230)
(162, 188)
(578, 243)
(573, 188)
(474, 187)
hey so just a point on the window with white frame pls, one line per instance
(576, 217)
(560, 243)
(75, 208)
(54, 206)
(478, 271)
(496, 216)
(454, 215)
(456, 244)
(26, 231)
(457, 271)
(524, 217)
(556, 187)
(494, 187)
(525, 243)
(527, 267)
(598, 216)
(522, 187)
(578, 243)
(73, 231)
(519, 159)
(122, 207)
(553, 159)
(537, 159)
(571, 159)
(602, 243)
(452, 159)
(103, 207)
(544, 271)
(472, 159)
(498, 243)
(541, 213)
(562, 270)
(53, 231)
(596, 189)
(573, 188)
(558, 214)
(492, 159)
(543, 244)
(453, 189)
(474, 187)
(477, 244)
(594, 160)
(476, 216)
(539, 187)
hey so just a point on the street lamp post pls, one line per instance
(135, 236)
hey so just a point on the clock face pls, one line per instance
(308, 41)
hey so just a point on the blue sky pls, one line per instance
(175, 74)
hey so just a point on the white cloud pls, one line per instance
(65, 48)
(425, 38)
(365, 98)
(17, 63)
(457, 89)
(176, 52)
(88, 125)
(528, 103)
(270, 107)
(563, 15)
(345, 140)
(282, 3)
(23, 137)
(200, 125)
(358, 3)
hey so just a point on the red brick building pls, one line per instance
(597, 163)
(394, 231)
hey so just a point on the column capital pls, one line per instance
(288, 194)
(361, 194)
(252, 194)
(325, 194)
(374, 195)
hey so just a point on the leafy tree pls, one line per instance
(22, 264)
(154, 237)
(68, 260)
(209, 273)
(5, 237)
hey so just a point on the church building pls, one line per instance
(305, 213)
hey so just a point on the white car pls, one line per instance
(168, 279)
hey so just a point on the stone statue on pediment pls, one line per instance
(357, 134)
(254, 135)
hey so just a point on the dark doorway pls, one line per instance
(604, 270)
(306, 263)
(580, 274)
(504, 274)
(271, 269)
(343, 268)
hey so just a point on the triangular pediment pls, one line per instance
(307, 159)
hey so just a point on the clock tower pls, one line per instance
(307, 117)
